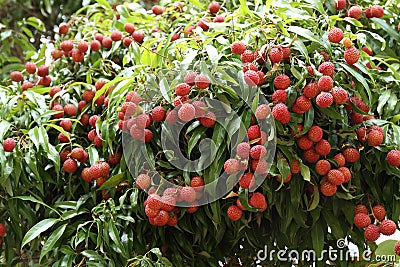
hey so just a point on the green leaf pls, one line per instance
(212, 54)
(113, 181)
(164, 89)
(305, 33)
(387, 28)
(37, 229)
(317, 236)
(114, 235)
(52, 240)
(305, 172)
(359, 78)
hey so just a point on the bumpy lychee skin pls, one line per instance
(243, 150)
(231, 166)
(186, 112)
(304, 143)
(208, 120)
(259, 166)
(372, 233)
(315, 133)
(322, 167)
(276, 55)
(219, 18)
(67, 45)
(362, 220)
(340, 159)
(346, 174)
(182, 89)
(387, 227)
(340, 95)
(70, 166)
(238, 47)
(327, 68)
(379, 212)
(282, 82)
(393, 158)
(362, 134)
(311, 90)
(360, 209)
(303, 104)
(253, 132)
(295, 166)
(325, 83)
(129, 28)
(335, 177)
(143, 181)
(190, 78)
(340, 4)
(247, 56)
(281, 113)
(355, 12)
(138, 36)
(374, 138)
(70, 110)
(251, 78)
(247, 180)
(258, 152)
(188, 194)
(262, 112)
(324, 100)
(9, 145)
(323, 147)
(202, 81)
(311, 156)
(328, 189)
(351, 55)
(258, 201)
(158, 114)
(279, 96)
(234, 213)
(351, 155)
(335, 35)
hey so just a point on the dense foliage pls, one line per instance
(69, 172)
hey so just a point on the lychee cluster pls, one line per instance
(373, 135)
(372, 231)
(161, 208)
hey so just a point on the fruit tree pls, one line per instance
(202, 134)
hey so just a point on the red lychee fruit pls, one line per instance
(202, 81)
(351, 55)
(282, 82)
(324, 100)
(325, 83)
(276, 55)
(362, 220)
(186, 112)
(231, 166)
(70, 166)
(322, 167)
(214, 7)
(9, 144)
(351, 155)
(355, 12)
(379, 212)
(234, 213)
(328, 189)
(393, 158)
(372, 233)
(281, 113)
(335, 35)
